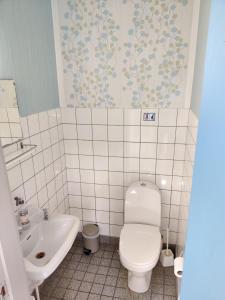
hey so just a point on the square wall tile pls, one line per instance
(27, 169)
(182, 117)
(131, 149)
(132, 133)
(116, 149)
(16, 130)
(102, 216)
(116, 218)
(116, 164)
(115, 133)
(181, 135)
(165, 151)
(13, 114)
(129, 178)
(132, 116)
(75, 201)
(116, 178)
(116, 205)
(166, 134)
(164, 167)
(115, 230)
(115, 116)
(100, 148)
(148, 134)
(147, 165)
(85, 147)
(30, 188)
(72, 161)
(84, 132)
(116, 192)
(47, 155)
(69, 131)
(83, 115)
(148, 150)
(3, 115)
(68, 115)
(74, 188)
(88, 202)
(43, 120)
(73, 175)
(164, 182)
(147, 177)
(87, 176)
(88, 189)
(5, 130)
(86, 162)
(99, 116)
(101, 191)
(167, 117)
(101, 163)
(77, 212)
(102, 204)
(99, 132)
(71, 147)
(89, 215)
(33, 124)
(101, 177)
(179, 152)
(131, 165)
(15, 177)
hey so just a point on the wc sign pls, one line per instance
(149, 116)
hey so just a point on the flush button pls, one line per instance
(149, 116)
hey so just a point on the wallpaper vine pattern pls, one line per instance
(125, 53)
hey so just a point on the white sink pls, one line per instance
(51, 239)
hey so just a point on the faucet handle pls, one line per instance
(19, 201)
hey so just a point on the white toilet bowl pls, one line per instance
(139, 249)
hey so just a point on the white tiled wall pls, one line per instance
(40, 178)
(189, 158)
(107, 150)
(86, 159)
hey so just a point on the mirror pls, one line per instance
(10, 128)
(8, 94)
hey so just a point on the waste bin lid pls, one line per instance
(90, 229)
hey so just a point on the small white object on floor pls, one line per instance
(178, 266)
(167, 258)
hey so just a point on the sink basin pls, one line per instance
(46, 244)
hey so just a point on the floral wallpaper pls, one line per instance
(125, 53)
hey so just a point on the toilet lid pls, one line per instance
(140, 244)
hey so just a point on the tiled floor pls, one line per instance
(100, 276)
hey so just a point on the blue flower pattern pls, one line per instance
(154, 52)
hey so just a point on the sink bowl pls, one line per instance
(46, 243)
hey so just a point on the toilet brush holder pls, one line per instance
(167, 258)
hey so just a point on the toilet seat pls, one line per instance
(140, 247)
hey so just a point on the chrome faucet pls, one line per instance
(45, 211)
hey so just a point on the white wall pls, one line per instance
(200, 56)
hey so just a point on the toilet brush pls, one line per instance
(166, 256)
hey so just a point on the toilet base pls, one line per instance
(139, 282)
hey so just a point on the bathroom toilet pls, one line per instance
(140, 238)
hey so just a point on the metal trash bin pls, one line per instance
(90, 236)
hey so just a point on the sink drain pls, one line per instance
(40, 255)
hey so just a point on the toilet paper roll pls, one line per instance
(178, 266)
